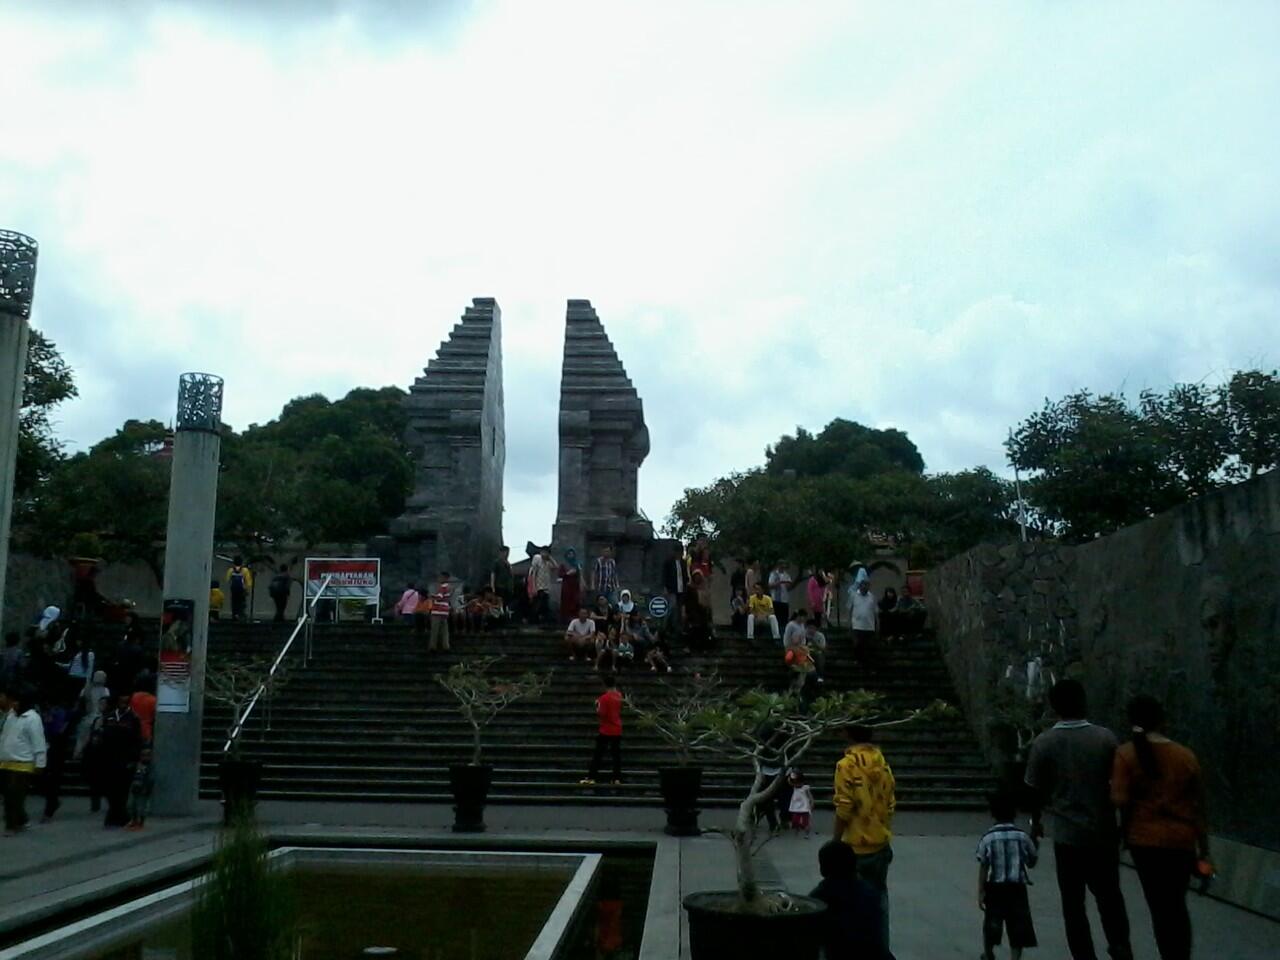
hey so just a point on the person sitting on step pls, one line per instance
(580, 636)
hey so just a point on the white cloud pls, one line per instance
(783, 213)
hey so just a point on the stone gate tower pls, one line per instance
(603, 442)
(453, 520)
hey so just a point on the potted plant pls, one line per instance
(679, 720)
(481, 697)
(246, 906)
(235, 684)
(769, 730)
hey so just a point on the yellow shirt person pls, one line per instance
(760, 605)
(864, 799)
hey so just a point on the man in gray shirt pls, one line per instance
(1069, 773)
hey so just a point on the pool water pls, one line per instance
(611, 925)
(342, 912)
(453, 914)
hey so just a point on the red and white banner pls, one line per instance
(352, 578)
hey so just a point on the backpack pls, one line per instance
(236, 580)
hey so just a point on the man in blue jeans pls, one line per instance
(1069, 775)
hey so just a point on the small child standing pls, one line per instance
(1004, 854)
(140, 791)
(801, 803)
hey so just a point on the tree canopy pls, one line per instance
(48, 382)
(1099, 463)
(821, 500)
(843, 448)
(321, 472)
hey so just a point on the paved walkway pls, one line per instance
(932, 880)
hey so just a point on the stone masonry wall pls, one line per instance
(1185, 606)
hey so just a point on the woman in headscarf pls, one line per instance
(625, 605)
(47, 618)
(570, 586)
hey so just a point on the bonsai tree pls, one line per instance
(681, 717)
(776, 730)
(482, 697)
(235, 684)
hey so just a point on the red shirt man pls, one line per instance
(609, 712)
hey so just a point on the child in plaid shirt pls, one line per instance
(1004, 854)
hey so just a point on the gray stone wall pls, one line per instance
(453, 519)
(1185, 606)
(603, 442)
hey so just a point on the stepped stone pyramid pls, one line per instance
(453, 520)
(603, 442)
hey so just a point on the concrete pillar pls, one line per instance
(17, 282)
(188, 559)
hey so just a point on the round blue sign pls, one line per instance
(658, 607)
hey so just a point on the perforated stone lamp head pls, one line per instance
(199, 402)
(17, 273)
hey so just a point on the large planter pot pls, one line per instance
(470, 785)
(239, 780)
(718, 929)
(680, 788)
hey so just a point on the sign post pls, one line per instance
(173, 685)
(350, 578)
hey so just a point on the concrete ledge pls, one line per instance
(1248, 876)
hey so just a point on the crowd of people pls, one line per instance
(59, 703)
(1093, 793)
(604, 624)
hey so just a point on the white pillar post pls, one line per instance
(188, 558)
(17, 282)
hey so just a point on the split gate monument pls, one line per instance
(453, 520)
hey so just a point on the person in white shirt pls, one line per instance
(793, 635)
(542, 568)
(864, 618)
(780, 591)
(801, 806)
(23, 751)
(580, 637)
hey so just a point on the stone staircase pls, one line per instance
(366, 722)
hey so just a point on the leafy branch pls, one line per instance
(482, 697)
(236, 682)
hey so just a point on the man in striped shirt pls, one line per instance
(604, 578)
(1004, 854)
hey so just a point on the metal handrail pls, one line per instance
(307, 615)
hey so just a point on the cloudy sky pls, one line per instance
(927, 216)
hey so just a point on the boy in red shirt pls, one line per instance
(609, 710)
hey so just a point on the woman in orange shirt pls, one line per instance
(1158, 787)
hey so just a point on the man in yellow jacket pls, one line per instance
(865, 801)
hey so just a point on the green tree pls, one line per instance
(846, 448)
(48, 382)
(118, 491)
(322, 471)
(967, 508)
(1192, 429)
(1099, 465)
(1251, 400)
